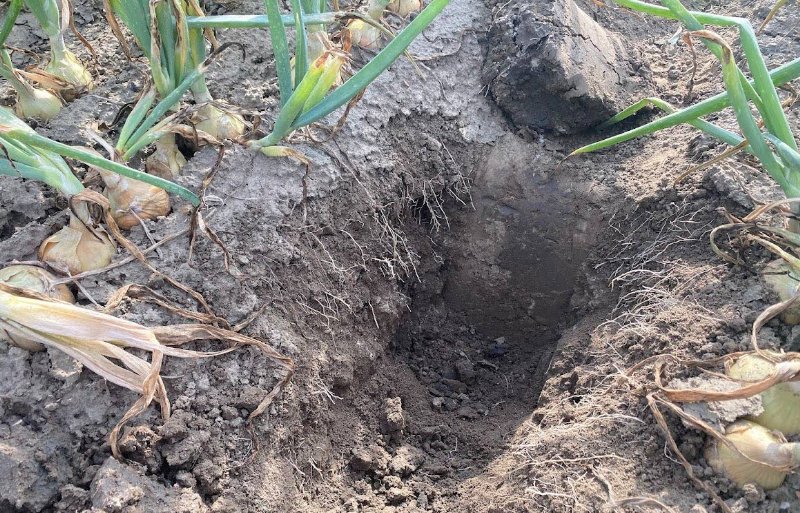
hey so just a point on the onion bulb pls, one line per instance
(404, 7)
(784, 281)
(64, 65)
(167, 161)
(364, 35)
(219, 123)
(32, 102)
(77, 247)
(775, 456)
(37, 104)
(781, 402)
(132, 200)
(33, 278)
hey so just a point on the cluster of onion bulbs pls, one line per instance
(754, 449)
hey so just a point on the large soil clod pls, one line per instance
(552, 67)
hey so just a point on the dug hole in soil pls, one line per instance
(459, 300)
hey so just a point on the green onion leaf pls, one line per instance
(280, 48)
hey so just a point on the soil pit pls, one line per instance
(470, 358)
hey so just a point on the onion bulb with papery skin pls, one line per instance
(37, 104)
(167, 161)
(758, 443)
(404, 7)
(784, 280)
(132, 200)
(219, 123)
(781, 402)
(364, 35)
(67, 67)
(33, 278)
(78, 248)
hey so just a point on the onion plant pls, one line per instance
(772, 13)
(174, 51)
(306, 95)
(32, 102)
(750, 453)
(366, 31)
(54, 18)
(37, 279)
(83, 244)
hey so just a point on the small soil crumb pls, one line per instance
(398, 495)
(369, 459)
(137, 444)
(466, 371)
(753, 493)
(406, 460)
(393, 421)
(184, 437)
(73, 498)
(63, 367)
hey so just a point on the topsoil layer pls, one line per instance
(445, 253)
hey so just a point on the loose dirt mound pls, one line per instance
(423, 297)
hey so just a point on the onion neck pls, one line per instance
(200, 91)
(79, 217)
(794, 450)
(375, 8)
(58, 48)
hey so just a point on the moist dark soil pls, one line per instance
(461, 302)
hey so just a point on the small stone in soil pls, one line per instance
(456, 386)
(450, 404)
(249, 398)
(496, 351)
(439, 389)
(465, 370)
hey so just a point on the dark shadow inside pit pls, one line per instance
(512, 260)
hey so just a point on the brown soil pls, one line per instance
(460, 302)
